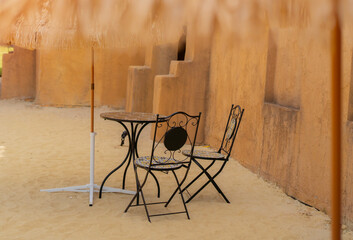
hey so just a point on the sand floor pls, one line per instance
(46, 147)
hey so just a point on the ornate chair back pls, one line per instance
(230, 133)
(171, 134)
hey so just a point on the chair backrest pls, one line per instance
(234, 119)
(172, 133)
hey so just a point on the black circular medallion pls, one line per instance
(175, 138)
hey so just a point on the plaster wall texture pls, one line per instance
(18, 77)
(283, 82)
(140, 84)
(184, 88)
(112, 69)
(64, 76)
(347, 118)
(237, 75)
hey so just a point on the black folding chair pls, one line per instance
(234, 119)
(170, 135)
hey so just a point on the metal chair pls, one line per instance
(222, 155)
(170, 135)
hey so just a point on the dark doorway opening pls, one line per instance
(182, 47)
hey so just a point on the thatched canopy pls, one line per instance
(110, 23)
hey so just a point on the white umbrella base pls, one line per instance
(87, 188)
(91, 187)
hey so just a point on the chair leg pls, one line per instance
(139, 189)
(181, 194)
(171, 197)
(132, 200)
(211, 180)
(176, 190)
(158, 187)
(198, 176)
(144, 203)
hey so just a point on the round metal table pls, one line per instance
(137, 121)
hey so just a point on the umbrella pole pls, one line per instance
(336, 125)
(91, 187)
(92, 149)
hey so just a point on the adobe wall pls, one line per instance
(140, 83)
(64, 76)
(185, 87)
(283, 81)
(347, 119)
(18, 76)
(112, 69)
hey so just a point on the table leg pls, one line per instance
(133, 153)
(128, 156)
(138, 136)
(115, 169)
(132, 147)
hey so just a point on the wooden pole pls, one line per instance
(336, 124)
(92, 92)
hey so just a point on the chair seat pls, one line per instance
(158, 163)
(204, 154)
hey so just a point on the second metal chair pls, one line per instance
(222, 155)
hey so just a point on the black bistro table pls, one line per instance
(137, 121)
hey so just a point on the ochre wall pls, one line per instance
(112, 69)
(141, 78)
(185, 87)
(18, 76)
(283, 81)
(64, 76)
(347, 107)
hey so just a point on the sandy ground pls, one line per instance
(45, 147)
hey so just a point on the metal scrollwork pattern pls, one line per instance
(173, 134)
(231, 129)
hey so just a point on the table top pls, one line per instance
(130, 116)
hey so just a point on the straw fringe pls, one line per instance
(122, 23)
